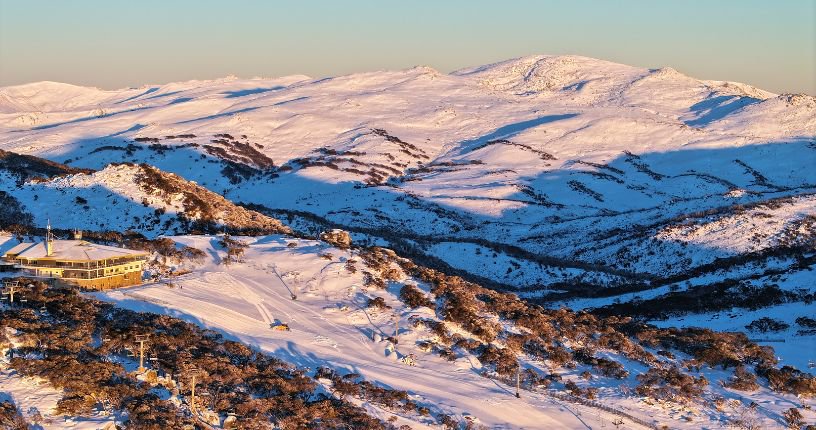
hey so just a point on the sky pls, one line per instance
(116, 44)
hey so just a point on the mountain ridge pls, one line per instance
(527, 66)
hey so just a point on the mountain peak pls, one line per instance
(547, 74)
(47, 96)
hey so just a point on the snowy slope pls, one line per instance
(332, 325)
(128, 197)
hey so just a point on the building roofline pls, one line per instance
(77, 255)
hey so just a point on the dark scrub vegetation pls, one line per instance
(77, 344)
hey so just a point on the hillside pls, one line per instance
(121, 197)
(349, 304)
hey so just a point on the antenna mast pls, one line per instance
(49, 239)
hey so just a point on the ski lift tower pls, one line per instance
(10, 288)
(193, 372)
(141, 339)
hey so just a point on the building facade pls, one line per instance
(79, 262)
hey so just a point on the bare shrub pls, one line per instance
(11, 418)
(766, 324)
(414, 297)
(793, 418)
(670, 384)
(339, 238)
(789, 380)
(234, 248)
(377, 303)
(503, 360)
(742, 380)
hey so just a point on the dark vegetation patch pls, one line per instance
(789, 380)
(408, 148)
(713, 297)
(28, 167)
(237, 172)
(159, 148)
(759, 178)
(240, 152)
(242, 161)
(600, 166)
(11, 417)
(742, 380)
(414, 297)
(602, 175)
(337, 238)
(711, 179)
(12, 212)
(807, 324)
(234, 248)
(60, 332)
(377, 303)
(541, 154)
(641, 166)
(537, 197)
(334, 152)
(670, 384)
(581, 188)
(766, 324)
(129, 150)
(444, 166)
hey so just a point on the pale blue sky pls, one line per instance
(112, 44)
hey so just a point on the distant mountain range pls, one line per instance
(527, 173)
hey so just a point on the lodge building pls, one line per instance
(78, 262)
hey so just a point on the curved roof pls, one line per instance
(74, 250)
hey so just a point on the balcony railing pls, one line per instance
(77, 274)
(91, 265)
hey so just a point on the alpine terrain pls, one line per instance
(544, 242)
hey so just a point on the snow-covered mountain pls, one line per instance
(539, 169)
(558, 176)
(567, 180)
